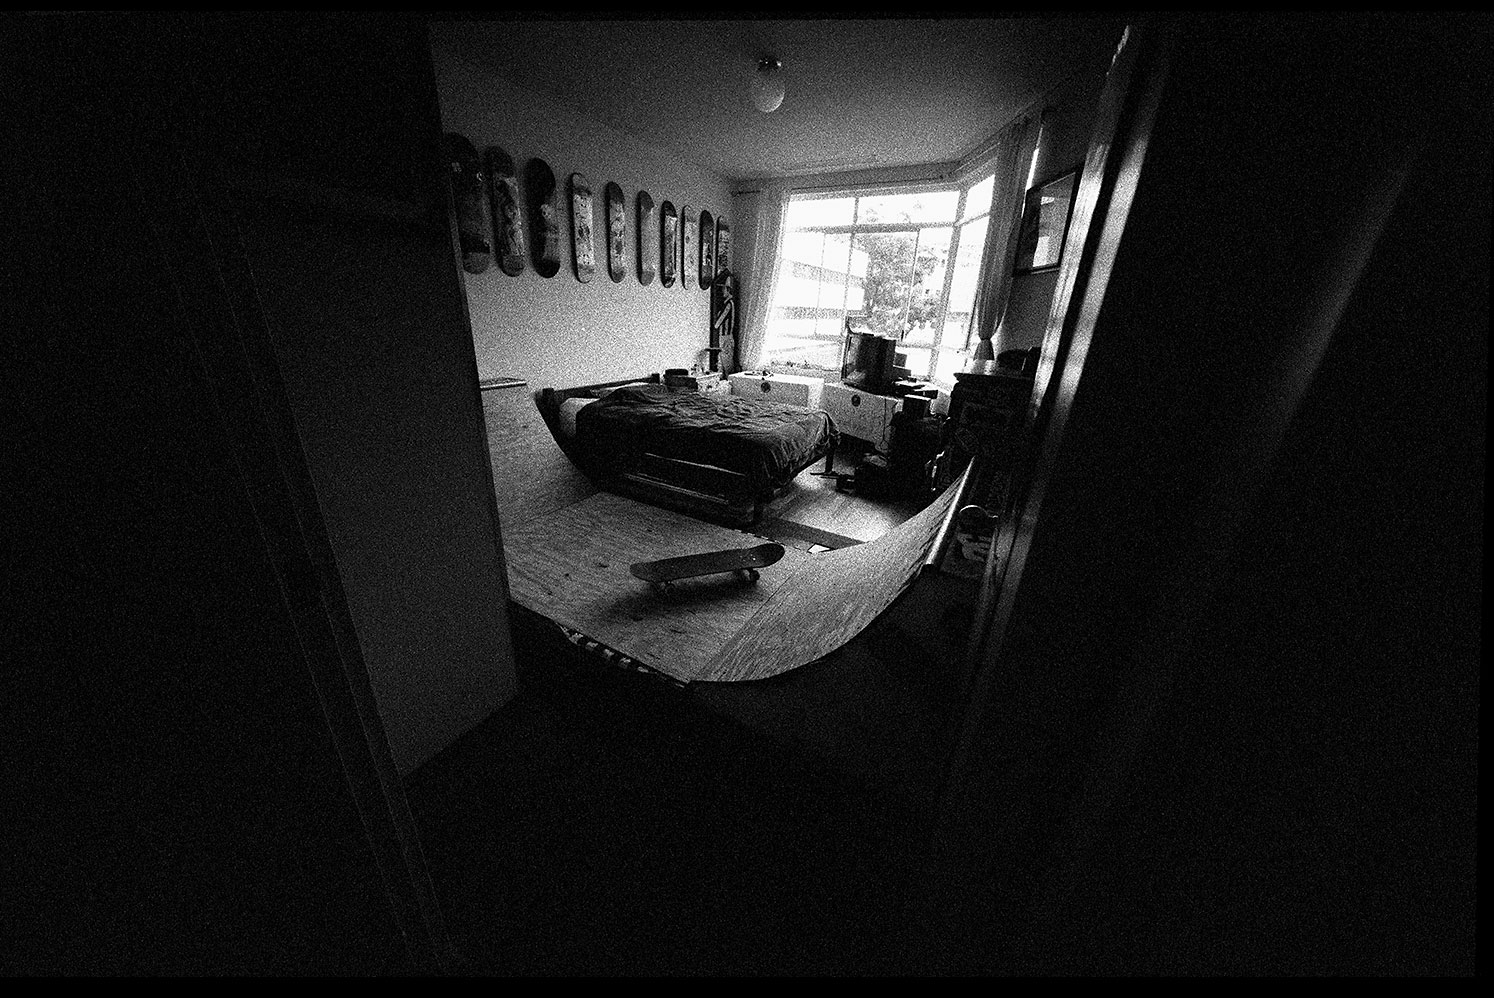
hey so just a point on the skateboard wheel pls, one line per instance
(751, 575)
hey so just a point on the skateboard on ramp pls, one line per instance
(745, 561)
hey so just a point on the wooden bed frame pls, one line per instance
(702, 490)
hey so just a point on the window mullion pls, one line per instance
(949, 270)
(912, 283)
(875, 227)
(819, 285)
(845, 286)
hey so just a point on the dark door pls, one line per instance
(191, 785)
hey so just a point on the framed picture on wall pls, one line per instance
(1045, 222)
(723, 245)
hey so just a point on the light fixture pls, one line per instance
(767, 84)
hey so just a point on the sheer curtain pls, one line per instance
(1013, 160)
(759, 228)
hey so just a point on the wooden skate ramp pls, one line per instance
(571, 565)
(828, 601)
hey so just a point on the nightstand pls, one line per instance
(860, 414)
(706, 381)
(986, 415)
(791, 389)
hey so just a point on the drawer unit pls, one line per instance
(791, 389)
(709, 381)
(721, 386)
(861, 414)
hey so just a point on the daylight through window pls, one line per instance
(904, 264)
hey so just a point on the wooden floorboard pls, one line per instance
(815, 502)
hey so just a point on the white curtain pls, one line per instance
(1013, 160)
(759, 228)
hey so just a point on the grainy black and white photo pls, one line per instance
(1044, 538)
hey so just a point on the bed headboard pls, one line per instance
(548, 400)
(559, 395)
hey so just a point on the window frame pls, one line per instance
(957, 224)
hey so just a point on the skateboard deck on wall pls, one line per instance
(724, 321)
(617, 232)
(469, 196)
(508, 219)
(707, 250)
(747, 561)
(544, 217)
(648, 238)
(689, 233)
(723, 245)
(669, 244)
(583, 236)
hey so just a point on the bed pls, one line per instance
(711, 454)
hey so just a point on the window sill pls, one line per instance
(828, 373)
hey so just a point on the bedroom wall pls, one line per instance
(366, 319)
(558, 331)
(1068, 119)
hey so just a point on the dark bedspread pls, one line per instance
(767, 442)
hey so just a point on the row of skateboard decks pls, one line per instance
(491, 213)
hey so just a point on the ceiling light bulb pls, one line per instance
(767, 84)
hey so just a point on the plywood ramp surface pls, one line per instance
(571, 565)
(828, 601)
(531, 475)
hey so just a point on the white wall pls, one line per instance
(557, 331)
(1068, 119)
(369, 335)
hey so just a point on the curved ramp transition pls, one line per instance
(571, 565)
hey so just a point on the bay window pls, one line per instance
(903, 263)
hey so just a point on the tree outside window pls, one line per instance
(883, 260)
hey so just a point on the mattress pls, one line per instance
(768, 443)
(568, 410)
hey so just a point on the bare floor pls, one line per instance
(817, 504)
